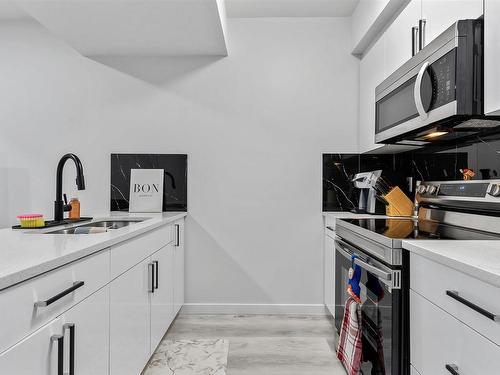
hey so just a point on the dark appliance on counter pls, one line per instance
(437, 95)
(452, 210)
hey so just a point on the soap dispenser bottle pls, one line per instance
(74, 213)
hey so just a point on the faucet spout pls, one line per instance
(59, 206)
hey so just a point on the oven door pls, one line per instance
(381, 309)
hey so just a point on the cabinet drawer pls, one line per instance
(20, 315)
(432, 280)
(438, 339)
(129, 253)
(37, 354)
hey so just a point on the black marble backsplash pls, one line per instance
(174, 185)
(431, 163)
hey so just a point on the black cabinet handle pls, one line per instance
(453, 369)
(156, 273)
(60, 352)
(76, 285)
(414, 37)
(177, 235)
(151, 268)
(421, 34)
(454, 294)
(71, 328)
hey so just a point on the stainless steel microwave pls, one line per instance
(437, 95)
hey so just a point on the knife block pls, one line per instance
(398, 204)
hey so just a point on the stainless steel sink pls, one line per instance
(108, 224)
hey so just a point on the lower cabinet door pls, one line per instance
(37, 354)
(440, 342)
(179, 266)
(87, 324)
(130, 320)
(329, 281)
(162, 300)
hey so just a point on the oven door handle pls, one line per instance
(342, 246)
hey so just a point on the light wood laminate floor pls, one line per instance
(267, 344)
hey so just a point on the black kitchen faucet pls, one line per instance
(61, 206)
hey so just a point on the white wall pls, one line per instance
(254, 125)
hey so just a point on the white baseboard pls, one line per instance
(243, 308)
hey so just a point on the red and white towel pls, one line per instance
(349, 351)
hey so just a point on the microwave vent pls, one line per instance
(478, 124)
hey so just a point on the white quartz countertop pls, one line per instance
(28, 253)
(479, 259)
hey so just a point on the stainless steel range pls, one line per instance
(449, 210)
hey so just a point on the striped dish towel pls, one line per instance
(349, 351)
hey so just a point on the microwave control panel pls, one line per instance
(442, 74)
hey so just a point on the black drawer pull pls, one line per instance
(60, 352)
(454, 294)
(71, 328)
(75, 286)
(156, 268)
(177, 235)
(151, 270)
(453, 369)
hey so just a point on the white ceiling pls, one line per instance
(10, 11)
(133, 27)
(290, 8)
(246, 8)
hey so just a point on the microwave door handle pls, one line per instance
(417, 90)
(368, 267)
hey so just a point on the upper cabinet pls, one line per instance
(371, 73)
(441, 14)
(438, 16)
(398, 37)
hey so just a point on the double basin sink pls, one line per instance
(104, 224)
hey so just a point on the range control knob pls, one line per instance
(421, 189)
(431, 189)
(494, 190)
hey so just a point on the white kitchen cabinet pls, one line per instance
(179, 265)
(491, 57)
(129, 253)
(398, 37)
(90, 321)
(441, 285)
(438, 339)
(104, 303)
(441, 14)
(162, 300)
(371, 74)
(37, 354)
(18, 305)
(130, 320)
(329, 278)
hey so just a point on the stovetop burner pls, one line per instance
(420, 229)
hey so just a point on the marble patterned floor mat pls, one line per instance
(189, 357)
